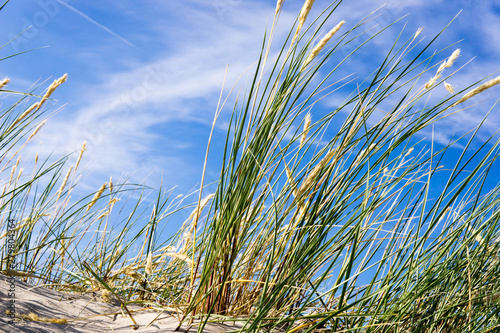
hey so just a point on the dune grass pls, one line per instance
(344, 221)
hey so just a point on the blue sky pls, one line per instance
(144, 77)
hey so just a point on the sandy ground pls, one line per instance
(84, 312)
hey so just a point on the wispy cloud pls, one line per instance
(103, 27)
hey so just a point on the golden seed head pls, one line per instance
(452, 58)
(317, 49)
(51, 89)
(19, 174)
(431, 82)
(307, 124)
(441, 68)
(81, 154)
(279, 4)
(4, 82)
(37, 129)
(478, 90)
(304, 12)
(480, 239)
(418, 32)
(61, 189)
(288, 173)
(25, 114)
(197, 211)
(409, 151)
(96, 196)
(449, 87)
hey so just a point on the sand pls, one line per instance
(84, 312)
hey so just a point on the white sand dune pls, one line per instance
(83, 312)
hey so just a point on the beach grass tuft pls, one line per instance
(351, 223)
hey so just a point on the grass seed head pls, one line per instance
(279, 4)
(97, 196)
(432, 81)
(478, 90)
(110, 185)
(306, 8)
(197, 211)
(37, 129)
(19, 174)
(307, 124)
(51, 89)
(317, 49)
(4, 82)
(452, 58)
(418, 32)
(409, 151)
(81, 154)
(449, 87)
(25, 114)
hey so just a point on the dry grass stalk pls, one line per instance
(306, 8)
(317, 49)
(37, 129)
(4, 82)
(307, 124)
(449, 87)
(110, 185)
(81, 154)
(34, 317)
(478, 90)
(97, 196)
(51, 89)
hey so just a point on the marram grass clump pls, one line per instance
(337, 220)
